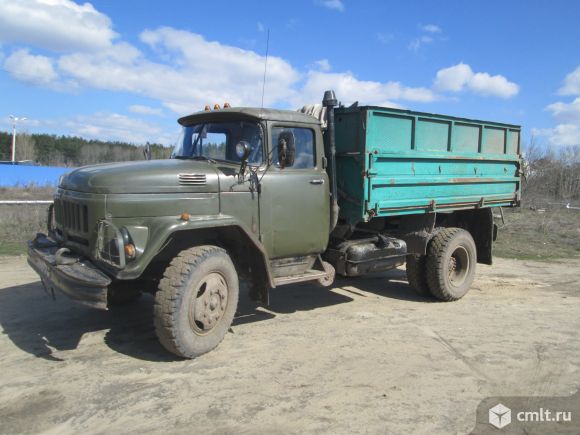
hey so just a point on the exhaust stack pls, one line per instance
(329, 101)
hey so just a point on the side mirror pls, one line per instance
(242, 152)
(286, 149)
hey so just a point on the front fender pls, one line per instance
(162, 228)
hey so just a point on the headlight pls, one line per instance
(110, 246)
(119, 245)
(128, 246)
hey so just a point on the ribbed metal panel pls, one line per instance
(71, 215)
(192, 179)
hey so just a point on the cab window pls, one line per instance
(304, 155)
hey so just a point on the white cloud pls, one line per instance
(417, 43)
(145, 110)
(571, 83)
(38, 70)
(567, 129)
(350, 89)
(59, 25)
(566, 115)
(431, 28)
(112, 126)
(430, 32)
(561, 134)
(194, 71)
(337, 5)
(497, 86)
(453, 78)
(322, 65)
(460, 77)
(566, 112)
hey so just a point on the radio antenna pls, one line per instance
(265, 67)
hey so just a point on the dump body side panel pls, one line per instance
(411, 162)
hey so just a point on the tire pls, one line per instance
(451, 260)
(196, 301)
(417, 274)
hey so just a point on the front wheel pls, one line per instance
(196, 301)
(450, 267)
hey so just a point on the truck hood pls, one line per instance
(153, 176)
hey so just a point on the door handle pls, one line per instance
(317, 181)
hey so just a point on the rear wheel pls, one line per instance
(450, 266)
(196, 301)
(417, 274)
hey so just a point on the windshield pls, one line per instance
(218, 140)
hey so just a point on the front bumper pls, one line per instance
(73, 275)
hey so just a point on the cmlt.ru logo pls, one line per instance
(500, 416)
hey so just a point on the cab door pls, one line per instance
(295, 200)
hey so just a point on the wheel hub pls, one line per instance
(209, 304)
(458, 266)
(452, 264)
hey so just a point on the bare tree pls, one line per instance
(25, 147)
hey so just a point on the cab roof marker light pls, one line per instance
(227, 105)
(207, 108)
(216, 106)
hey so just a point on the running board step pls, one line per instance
(310, 275)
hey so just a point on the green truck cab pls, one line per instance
(274, 197)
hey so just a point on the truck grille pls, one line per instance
(191, 179)
(71, 215)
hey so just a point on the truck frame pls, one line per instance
(275, 197)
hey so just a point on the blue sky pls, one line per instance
(125, 70)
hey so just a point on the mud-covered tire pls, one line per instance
(196, 280)
(451, 262)
(417, 274)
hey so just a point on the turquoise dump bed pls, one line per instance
(393, 162)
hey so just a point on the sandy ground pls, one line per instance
(366, 356)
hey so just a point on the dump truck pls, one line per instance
(271, 197)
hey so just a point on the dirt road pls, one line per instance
(365, 356)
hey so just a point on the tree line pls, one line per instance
(72, 151)
(551, 174)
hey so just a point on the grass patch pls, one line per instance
(27, 192)
(19, 223)
(12, 248)
(545, 236)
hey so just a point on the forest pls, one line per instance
(72, 151)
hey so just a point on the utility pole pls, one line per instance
(14, 121)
